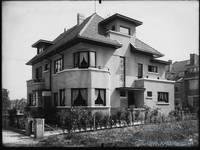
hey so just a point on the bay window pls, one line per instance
(100, 97)
(85, 59)
(79, 97)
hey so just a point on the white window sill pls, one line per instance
(155, 73)
(162, 103)
(149, 98)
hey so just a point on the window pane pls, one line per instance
(100, 97)
(124, 30)
(83, 58)
(62, 97)
(79, 97)
(163, 97)
(140, 70)
(92, 59)
(149, 93)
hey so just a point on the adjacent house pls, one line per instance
(99, 64)
(186, 75)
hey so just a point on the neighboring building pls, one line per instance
(5, 101)
(186, 75)
(99, 64)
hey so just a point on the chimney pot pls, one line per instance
(80, 18)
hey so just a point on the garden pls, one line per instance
(125, 128)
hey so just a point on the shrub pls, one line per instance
(105, 121)
(128, 117)
(99, 119)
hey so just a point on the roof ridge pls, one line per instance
(88, 22)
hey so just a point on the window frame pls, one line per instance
(55, 65)
(72, 102)
(139, 64)
(129, 30)
(152, 67)
(38, 73)
(104, 102)
(122, 95)
(60, 98)
(88, 55)
(167, 93)
(149, 96)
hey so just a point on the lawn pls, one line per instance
(184, 133)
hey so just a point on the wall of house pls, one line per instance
(155, 87)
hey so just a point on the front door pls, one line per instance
(131, 99)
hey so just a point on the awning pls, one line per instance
(130, 89)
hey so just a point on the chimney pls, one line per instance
(169, 69)
(192, 59)
(80, 18)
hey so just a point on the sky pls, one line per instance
(171, 27)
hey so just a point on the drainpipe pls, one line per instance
(50, 76)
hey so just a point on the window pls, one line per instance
(62, 97)
(122, 71)
(85, 59)
(149, 94)
(152, 69)
(140, 70)
(100, 99)
(58, 65)
(79, 97)
(40, 50)
(123, 93)
(55, 96)
(163, 97)
(46, 67)
(113, 28)
(38, 73)
(124, 30)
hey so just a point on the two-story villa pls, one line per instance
(99, 64)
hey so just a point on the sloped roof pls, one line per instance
(179, 66)
(87, 30)
(140, 46)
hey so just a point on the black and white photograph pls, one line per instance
(100, 73)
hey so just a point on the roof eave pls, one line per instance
(41, 41)
(118, 16)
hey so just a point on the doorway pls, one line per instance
(131, 98)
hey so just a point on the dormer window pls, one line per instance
(125, 30)
(40, 50)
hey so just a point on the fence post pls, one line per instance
(94, 123)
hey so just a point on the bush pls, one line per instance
(128, 117)
(99, 119)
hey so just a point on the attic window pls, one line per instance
(125, 30)
(40, 50)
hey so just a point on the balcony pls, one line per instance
(36, 84)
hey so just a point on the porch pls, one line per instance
(131, 97)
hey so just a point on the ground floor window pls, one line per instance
(100, 95)
(149, 94)
(79, 97)
(55, 97)
(62, 97)
(163, 97)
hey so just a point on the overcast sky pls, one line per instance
(170, 27)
